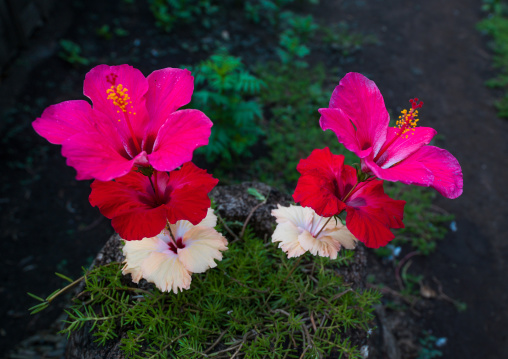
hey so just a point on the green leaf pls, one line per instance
(254, 192)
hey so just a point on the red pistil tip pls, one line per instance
(409, 119)
(415, 104)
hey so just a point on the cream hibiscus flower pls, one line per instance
(300, 229)
(169, 263)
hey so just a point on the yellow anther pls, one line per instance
(118, 94)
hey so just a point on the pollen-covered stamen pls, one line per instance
(118, 94)
(407, 122)
(409, 119)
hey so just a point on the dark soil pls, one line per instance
(429, 50)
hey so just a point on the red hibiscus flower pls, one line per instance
(140, 206)
(329, 186)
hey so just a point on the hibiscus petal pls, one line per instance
(131, 205)
(287, 234)
(140, 223)
(99, 80)
(166, 271)
(342, 235)
(210, 220)
(136, 252)
(446, 170)
(61, 121)
(336, 120)
(324, 181)
(315, 192)
(189, 203)
(324, 246)
(191, 175)
(181, 134)
(297, 215)
(123, 195)
(202, 247)
(168, 90)
(366, 226)
(362, 102)
(371, 213)
(404, 145)
(93, 157)
(407, 171)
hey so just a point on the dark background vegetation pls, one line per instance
(288, 56)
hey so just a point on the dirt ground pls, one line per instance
(429, 50)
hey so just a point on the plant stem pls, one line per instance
(171, 233)
(321, 230)
(293, 269)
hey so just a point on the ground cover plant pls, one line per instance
(496, 26)
(256, 303)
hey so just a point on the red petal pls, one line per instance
(371, 213)
(140, 223)
(187, 190)
(192, 175)
(130, 192)
(324, 182)
(316, 192)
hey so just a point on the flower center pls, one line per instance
(407, 122)
(408, 119)
(118, 94)
(174, 246)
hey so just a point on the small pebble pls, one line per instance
(453, 226)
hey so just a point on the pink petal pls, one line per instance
(168, 90)
(362, 102)
(93, 157)
(61, 121)
(407, 171)
(336, 120)
(445, 168)
(181, 134)
(404, 145)
(98, 81)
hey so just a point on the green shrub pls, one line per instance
(169, 13)
(225, 91)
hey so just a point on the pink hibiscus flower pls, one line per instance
(140, 206)
(133, 121)
(358, 116)
(328, 186)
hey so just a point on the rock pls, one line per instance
(235, 204)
